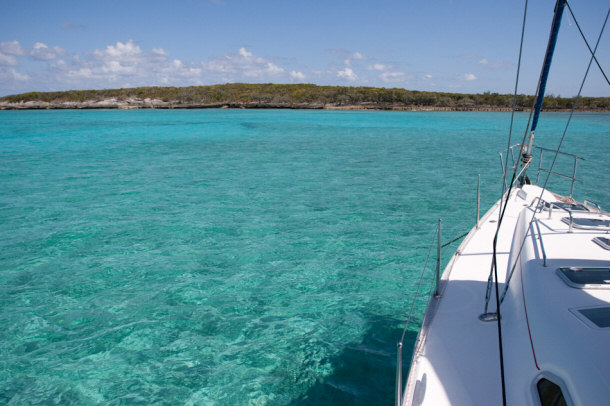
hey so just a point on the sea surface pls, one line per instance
(237, 257)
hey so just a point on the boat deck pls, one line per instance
(457, 358)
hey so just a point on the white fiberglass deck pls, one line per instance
(457, 360)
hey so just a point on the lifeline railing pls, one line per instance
(440, 245)
(515, 162)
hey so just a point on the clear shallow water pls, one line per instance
(234, 256)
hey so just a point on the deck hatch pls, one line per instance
(586, 278)
(573, 207)
(550, 393)
(602, 242)
(600, 316)
(588, 223)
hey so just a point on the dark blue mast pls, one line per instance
(544, 74)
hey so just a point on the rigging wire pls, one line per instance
(505, 169)
(556, 155)
(512, 116)
(458, 226)
(451, 208)
(421, 276)
(514, 176)
(404, 331)
(494, 265)
(525, 164)
(504, 203)
(426, 267)
(587, 43)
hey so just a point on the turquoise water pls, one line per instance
(234, 256)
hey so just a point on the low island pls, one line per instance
(291, 96)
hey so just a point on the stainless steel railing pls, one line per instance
(510, 153)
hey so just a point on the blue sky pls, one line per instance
(466, 46)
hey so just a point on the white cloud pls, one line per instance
(12, 75)
(244, 64)
(178, 68)
(273, 69)
(219, 66)
(42, 52)
(160, 53)
(348, 74)
(298, 76)
(59, 64)
(115, 60)
(127, 63)
(468, 76)
(7, 60)
(427, 76)
(84, 73)
(12, 48)
(494, 64)
(120, 61)
(19, 76)
(115, 67)
(119, 65)
(395, 77)
(355, 56)
(244, 53)
(120, 51)
(378, 67)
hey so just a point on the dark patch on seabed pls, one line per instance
(364, 372)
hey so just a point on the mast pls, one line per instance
(544, 74)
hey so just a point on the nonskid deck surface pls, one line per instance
(458, 362)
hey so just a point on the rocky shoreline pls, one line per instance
(136, 103)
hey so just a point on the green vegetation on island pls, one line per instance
(240, 95)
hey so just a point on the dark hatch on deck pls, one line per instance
(575, 207)
(600, 316)
(602, 242)
(587, 223)
(586, 277)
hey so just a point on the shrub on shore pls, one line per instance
(303, 95)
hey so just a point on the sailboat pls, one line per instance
(521, 313)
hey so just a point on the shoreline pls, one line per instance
(289, 96)
(114, 104)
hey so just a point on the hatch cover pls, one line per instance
(586, 278)
(600, 316)
(588, 223)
